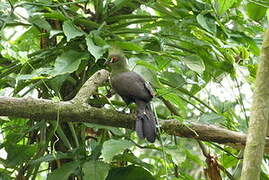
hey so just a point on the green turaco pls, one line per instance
(133, 88)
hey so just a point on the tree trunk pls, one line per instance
(258, 119)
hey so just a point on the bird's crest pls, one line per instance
(115, 54)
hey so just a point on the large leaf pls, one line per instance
(146, 64)
(95, 50)
(130, 157)
(113, 147)
(130, 173)
(95, 170)
(224, 5)
(128, 45)
(173, 78)
(255, 12)
(17, 154)
(68, 62)
(212, 118)
(71, 31)
(195, 63)
(64, 171)
(40, 22)
(207, 23)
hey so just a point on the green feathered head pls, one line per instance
(116, 59)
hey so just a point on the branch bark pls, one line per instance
(258, 118)
(90, 86)
(75, 112)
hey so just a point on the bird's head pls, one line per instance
(116, 58)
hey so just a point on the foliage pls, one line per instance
(49, 48)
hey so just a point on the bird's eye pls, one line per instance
(114, 59)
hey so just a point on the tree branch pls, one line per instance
(90, 86)
(258, 124)
(77, 110)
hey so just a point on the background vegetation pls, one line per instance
(200, 56)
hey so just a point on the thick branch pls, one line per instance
(90, 86)
(68, 111)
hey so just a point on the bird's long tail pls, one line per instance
(145, 121)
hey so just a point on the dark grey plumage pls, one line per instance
(133, 89)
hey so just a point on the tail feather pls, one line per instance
(139, 128)
(146, 122)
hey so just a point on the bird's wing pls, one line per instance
(132, 86)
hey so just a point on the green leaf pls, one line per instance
(64, 171)
(176, 155)
(206, 23)
(5, 175)
(130, 173)
(195, 63)
(55, 32)
(57, 82)
(40, 22)
(114, 147)
(130, 157)
(18, 154)
(146, 64)
(118, 4)
(255, 12)
(29, 40)
(224, 5)
(71, 31)
(211, 118)
(50, 157)
(218, 105)
(68, 62)
(173, 78)
(95, 170)
(55, 15)
(228, 161)
(128, 45)
(95, 50)
(264, 176)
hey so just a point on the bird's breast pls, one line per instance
(130, 85)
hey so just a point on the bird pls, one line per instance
(133, 89)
